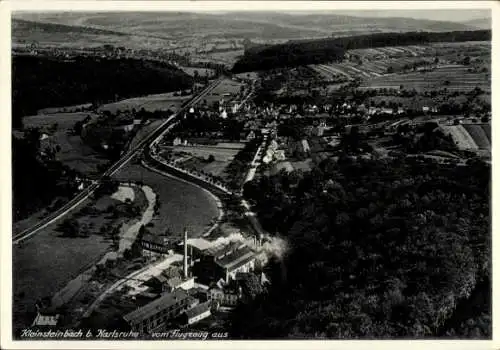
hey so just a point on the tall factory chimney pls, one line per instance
(185, 254)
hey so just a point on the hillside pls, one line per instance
(22, 27)
(261, 25)
(28, 32)
(482, 23)
(40, 82)
(337, 23)
(320, 50)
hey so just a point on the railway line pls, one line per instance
(124, 159)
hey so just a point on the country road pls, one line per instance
(125, 158)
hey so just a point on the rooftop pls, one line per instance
(222, 249)
(236, 259)
(157, 305)
(174, 282)
(198, 309)
(45, 320)
(154, 239)
(200, 243)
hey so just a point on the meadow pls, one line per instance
(470, 136)
(451, 78)
(181, 204)
(202, 72)
(73, 151)
(227, 86)
(150, 103)
(196, 157)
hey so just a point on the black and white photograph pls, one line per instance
(249, 173)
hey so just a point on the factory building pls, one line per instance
(224, 261)
(155, 315)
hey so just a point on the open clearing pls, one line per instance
(220, 154)
(480, 133)
(181, 204)
(458, 77)
(227, 86)
(195, 157)
(228, 57)
(462, 138)
(202, 72)
(64, 120)
(76, 154)
(156, 102)
(73, 151)
(124, 193)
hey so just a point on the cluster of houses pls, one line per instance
(344, 110)
(273, 153)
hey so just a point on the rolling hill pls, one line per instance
(252, 25)
(40, 82)
(482, 23)
(316, 51)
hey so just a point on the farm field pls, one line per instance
(481, 133)
(203, 72)
(73, 151)
(376, 61)
(228, 58)
(458, 77)
(418, 102)
(462, 138)
(76, 154)
(66, 109)
(156, 102)
(227, 86)
(249, 75)
(181, 204)
(40, 262)
(220, 153)
(195, 157)
(215, 168)
(64, 120)
(440, 49)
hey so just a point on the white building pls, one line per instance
(198, 313)
(177, 141)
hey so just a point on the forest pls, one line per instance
(288, 55)
(40, 82)
(304, 52)
(52, 180)
(379, 249)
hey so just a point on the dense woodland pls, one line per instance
(379, 249)
(38, 178)
(296, 53)
(40, 82)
